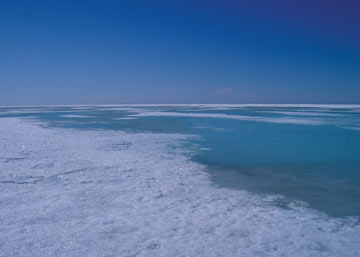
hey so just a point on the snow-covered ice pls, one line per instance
(66, 192)
(76, 116)
(125, 118)
(283, 120)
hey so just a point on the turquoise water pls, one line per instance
(308, 154)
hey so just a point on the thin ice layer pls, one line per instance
(96, 193)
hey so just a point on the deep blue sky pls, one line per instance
(254, 51)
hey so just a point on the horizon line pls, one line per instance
(191, 104)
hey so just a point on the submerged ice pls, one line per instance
(67, 192)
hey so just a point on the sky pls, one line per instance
(120, 52)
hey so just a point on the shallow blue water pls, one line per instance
(311, 154)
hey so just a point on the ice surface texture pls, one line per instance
(67, 192)
(284, 120)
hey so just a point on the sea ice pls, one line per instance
(66, 192)
(284, 120)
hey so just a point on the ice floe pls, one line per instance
(284, 120)
(76, 116)
(302, 113)
(125, 118)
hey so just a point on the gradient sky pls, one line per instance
(254, 51)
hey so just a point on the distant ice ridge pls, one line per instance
(299, 113)
(340, 106)
(125, 118)
(76, 116)
(284, 120)
(68, 192)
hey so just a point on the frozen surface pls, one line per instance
(67, 192)
(303, 113)
(125, 118)
(76, 116)
(284, 120)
